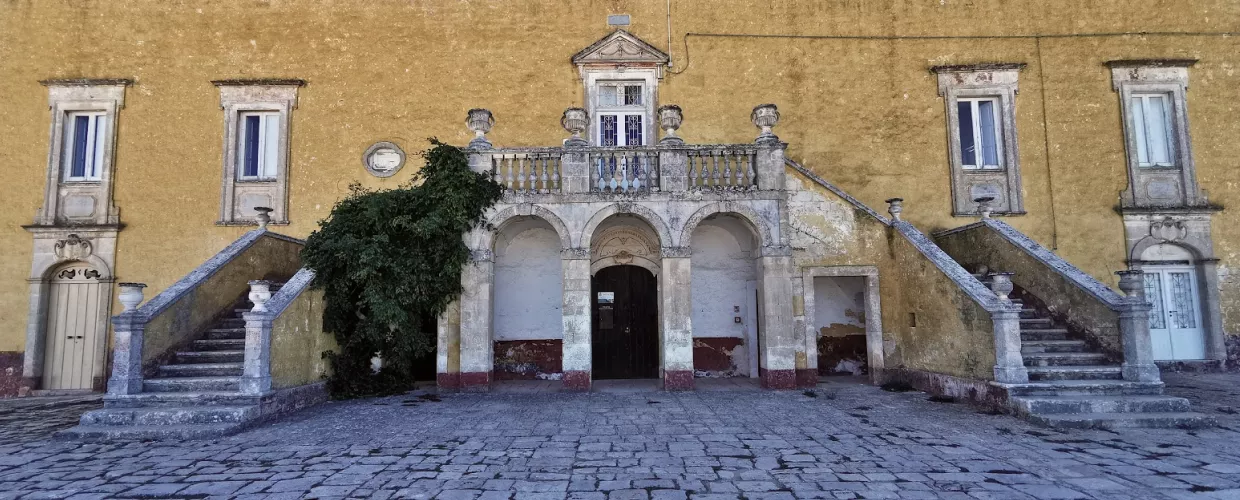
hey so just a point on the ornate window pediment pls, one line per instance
(620, 49)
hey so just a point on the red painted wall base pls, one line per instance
(576, 380)
(778, 379)
(448, 382)
(476, 381)
(677, 380)
(807, 377)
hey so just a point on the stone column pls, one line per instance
(448, 351)
(577, 343)
(807, 374)
(781, 353)
(129, 328)
(677, 310)
(477, 357)
(1134, 329)
(36, 337)
(256, 369)
(1211, 311)
(1009, 364)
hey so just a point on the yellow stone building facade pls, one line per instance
(869, 95)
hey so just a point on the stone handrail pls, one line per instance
(284, 326)
(145, 334)
(1119, 324)
(1004, 315)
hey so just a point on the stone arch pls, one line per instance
(94, 261)
(486, 240)
(745, 212)
(1148, 242)
(649, 216)
(625, 245)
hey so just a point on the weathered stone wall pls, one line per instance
(529, 359)
(10, 373)
(269, 257)
(723, 280)
(1067, 302)
(862, 112)
(298, 342)
(528, 284)
(839, 324)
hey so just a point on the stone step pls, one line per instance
(180, 399)
(1043, 334)
(226, 333)
(1045, 405)
(202, 370)
(170, 415)
(1063, 358)
(220, 345)
(191, 384)
(1084, 388)
(231, 323)
(1035, 346)
(1077, 372)
(1029, 313)
(210, 357)
(148, 432)
(1035, 321)
(1161, 420)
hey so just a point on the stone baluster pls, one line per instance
(256, 368)
(1005, 320)
(129, 330)
(1134, 329)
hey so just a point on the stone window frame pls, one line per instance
(876, 347)
(242, 96)
(1157, 76)
(647, 77)
(995, 80)
(65, 96)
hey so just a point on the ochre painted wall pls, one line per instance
(862, 113)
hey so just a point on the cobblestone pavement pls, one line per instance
(849, 441)
(25, 419)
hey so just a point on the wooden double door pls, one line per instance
(624, 321)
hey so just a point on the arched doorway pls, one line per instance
(73, 352)
(624, 325)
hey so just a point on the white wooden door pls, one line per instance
(1175, 320)
(74, 342)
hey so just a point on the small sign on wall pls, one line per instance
(606, 297)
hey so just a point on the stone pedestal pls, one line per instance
(677, 321)
(780, 353)
(129, 327)
(577, 355)
(256, 372)
(1009, 364)
(448, 352)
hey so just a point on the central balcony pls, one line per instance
(579, 171)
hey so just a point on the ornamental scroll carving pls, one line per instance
(73, 248)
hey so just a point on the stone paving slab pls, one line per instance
(844, 441)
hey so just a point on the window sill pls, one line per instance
(992, 214)
(256, 181)
(93, 182)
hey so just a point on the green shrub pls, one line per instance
(389, 262)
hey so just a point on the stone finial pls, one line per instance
(765, 116)
(984, 205)
(1132, 283)
(575, 121)
(670, 118)
(894, 207)
(260, 293)
(263, 217)
(480, 121)
(1001, 284)
(131, 295)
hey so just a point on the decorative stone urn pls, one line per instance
(765, 116)
(480, 121)
(575, 121)
(1132, 283)
(670, 118)
(260, 293)
(263, 217)
(984, 205)
(894, 207)
(1001, 284)
(131, 295)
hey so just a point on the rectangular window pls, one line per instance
(1152, 130)
(85, 141)
(258, 145)
(980, 133)
(613, 94)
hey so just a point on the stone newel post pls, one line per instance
(673, 161)
(770, 156)
(1009, 364)
(576, 173)
(1134, 329)
(129, 327)
(256, 370)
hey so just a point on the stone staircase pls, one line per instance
(196, 395)
(1072, 386)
